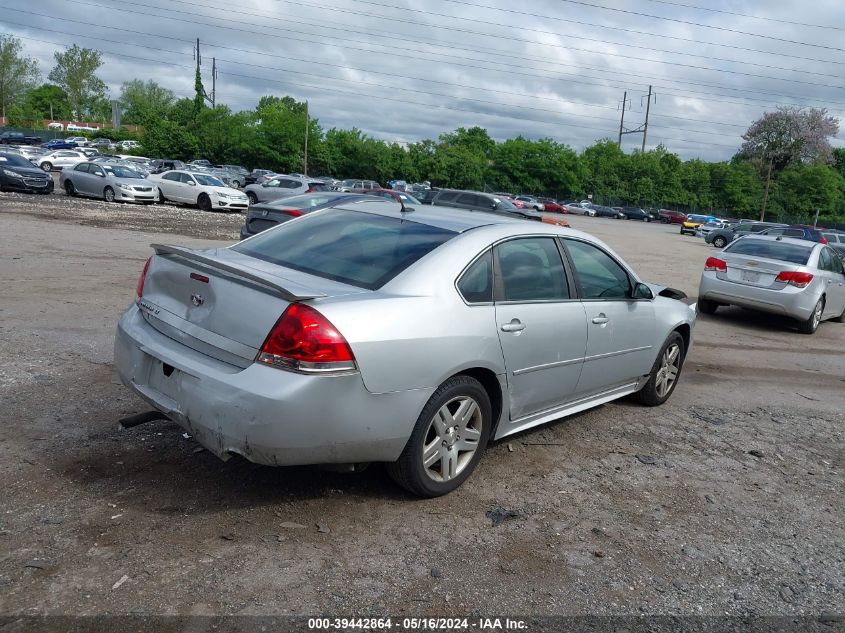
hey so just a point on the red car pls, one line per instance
(551, 206)
(391, 194)
(672, 217)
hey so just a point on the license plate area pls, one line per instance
(750, 276)
(164, 378)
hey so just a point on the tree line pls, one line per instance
(784, 166)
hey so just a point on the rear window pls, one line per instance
(792, 253)
(352, 247)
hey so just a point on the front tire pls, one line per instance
(108, 194)
(720, 242)
(204, 202)
(814, 320)
(448, 439)
(253, 199)
(161, 198)
(48, 167)
(664, 373)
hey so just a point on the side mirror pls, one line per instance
(192, 183)
(494, 205)
(642, 291)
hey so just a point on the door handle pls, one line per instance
(601, 319)
(514, 326)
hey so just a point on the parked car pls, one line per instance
(578, 209)
(636, 213)
(705, 228)
(282, 186)
(161, 165)
(780, 275)
(602, 211)
(836, 240)
(671, 217)
(236, 175)
(551, 205)
(266, 215)
(722, 237)
(797, 231)
(18, 138)
(357, 185)
(531, 202)
(255, 175)
(19, 174)
(202, 162)
(203, 190)
(112, 183)
(336, 297)
(60, 159)
(127, 145)
(58, 143)
(391, 194)
(102, 143)
(480, 201)
(90, 152)
(80, 141)
(426, 196)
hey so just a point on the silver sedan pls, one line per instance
(414, 337)
(796, 278)
(108, 181)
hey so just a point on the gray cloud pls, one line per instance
(408, 72)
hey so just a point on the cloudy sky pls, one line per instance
(404, 70)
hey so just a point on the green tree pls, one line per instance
(604, 163)
(143, 102)
(803, 189)
(75, 73)
(199, 93)
(49, 102)
(18, 73)
(169, 139)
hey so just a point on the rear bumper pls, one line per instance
(797, 303)
(267, 415)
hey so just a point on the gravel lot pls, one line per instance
(726, 500)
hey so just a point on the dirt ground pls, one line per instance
(726, 500)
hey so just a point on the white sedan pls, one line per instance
(60, 159)
(203, 190)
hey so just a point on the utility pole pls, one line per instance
(642, 129)
(622, 120)
(647, 108)
(305, 160)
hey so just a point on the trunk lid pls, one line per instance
(754, 271)
(223, 303)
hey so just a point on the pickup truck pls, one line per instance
(18, 138)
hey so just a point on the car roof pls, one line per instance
(772, 238)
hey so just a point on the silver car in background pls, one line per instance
(108, 181)
(796, 278)
(282, 187)
(380, 334)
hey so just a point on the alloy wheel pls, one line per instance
(452, 438)
(668, 372)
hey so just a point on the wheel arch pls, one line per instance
(685, 331)
(490, 381)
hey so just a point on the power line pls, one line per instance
(360, 94)
(580, 80)
(746, 15)
(699, 24)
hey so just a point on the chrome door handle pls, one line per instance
(514, 326)
(601, 319)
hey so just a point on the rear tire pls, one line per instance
(706, 306)
(664, 373)
(812, 323)
(719, 241)
(253, 199)
(69, 188)
(161, 198)
(48, 167)
(436, 446)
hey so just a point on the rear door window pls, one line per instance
(352, 247)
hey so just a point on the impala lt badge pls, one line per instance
(197, 299)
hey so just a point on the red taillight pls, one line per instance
(294, 212)
(823, 240)
(305, 340)
(799, 280)
(139, 287)
(716, 264)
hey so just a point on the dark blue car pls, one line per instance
(58, 143)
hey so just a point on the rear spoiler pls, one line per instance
(288, 292)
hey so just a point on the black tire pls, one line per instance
(161, 198)
(69, 188)
(47, 166)
(814, 320)
(253, 199)
(720, 241)
(706, 306)
(108, 194)
(409, 470)
(682, 230)
(204, 202)
(650, 395)
(236, 184)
